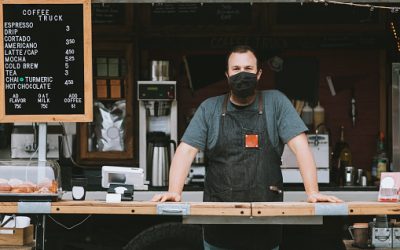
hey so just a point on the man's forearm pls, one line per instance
(308, 172)
(177, 177)
(305, 160)
(180, 167)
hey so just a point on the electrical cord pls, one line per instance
(33, 155)
(64, 132)
(30, 161)
(71, 227)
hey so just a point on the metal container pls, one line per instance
(396, 237)
(360, 174)
(159, 157)
(359, 233)
(364, 181)
(199, 158)
(382, 237)
(349, 176)
(159, 70)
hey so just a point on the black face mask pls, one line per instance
(243, 84)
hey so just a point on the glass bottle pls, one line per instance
(341, 157)
(380, 160)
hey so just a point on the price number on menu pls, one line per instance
(69, 54)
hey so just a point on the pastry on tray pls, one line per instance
(14, 185)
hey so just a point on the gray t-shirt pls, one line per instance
(283, 122)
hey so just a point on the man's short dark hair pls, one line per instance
(242, 49)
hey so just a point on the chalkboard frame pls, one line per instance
(87, 116)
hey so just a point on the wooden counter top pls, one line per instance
(150, 208)
(256, 209)
(371, 208)
(325, 209)
(139, 208)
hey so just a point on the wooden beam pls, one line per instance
(228, 209)
(220, 209)
(282, 209)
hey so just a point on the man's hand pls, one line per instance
(318, 197)
(179, 170)
(169, 196)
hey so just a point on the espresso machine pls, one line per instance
(158, 119)
(319, 146)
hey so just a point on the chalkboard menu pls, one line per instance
(44, 69)
(108, 14)
(201, 14)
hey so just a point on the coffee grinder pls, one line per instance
(158, 119)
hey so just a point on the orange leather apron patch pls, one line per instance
(251, 141)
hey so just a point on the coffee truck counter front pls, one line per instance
(193, 211)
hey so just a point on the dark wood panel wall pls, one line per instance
(359, 70)
(353, 54)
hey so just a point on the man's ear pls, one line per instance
(259, 74)
(226, 74)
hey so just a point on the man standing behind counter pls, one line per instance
(243, 134)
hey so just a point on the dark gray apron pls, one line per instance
(236, 173)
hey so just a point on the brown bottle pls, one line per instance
(380, 160)
(341, 157)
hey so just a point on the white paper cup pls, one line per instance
(22, 221)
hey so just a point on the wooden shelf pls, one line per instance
(125, 157)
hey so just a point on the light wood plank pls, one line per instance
(101, 207)
(8, 207)
(220, 208)
(282, 209)
(150, 208)
(373, 208)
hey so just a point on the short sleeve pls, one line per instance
(196, 133)
(289, 123)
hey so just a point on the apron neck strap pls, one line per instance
(226, 98)
(225, 103)
(260, 103)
